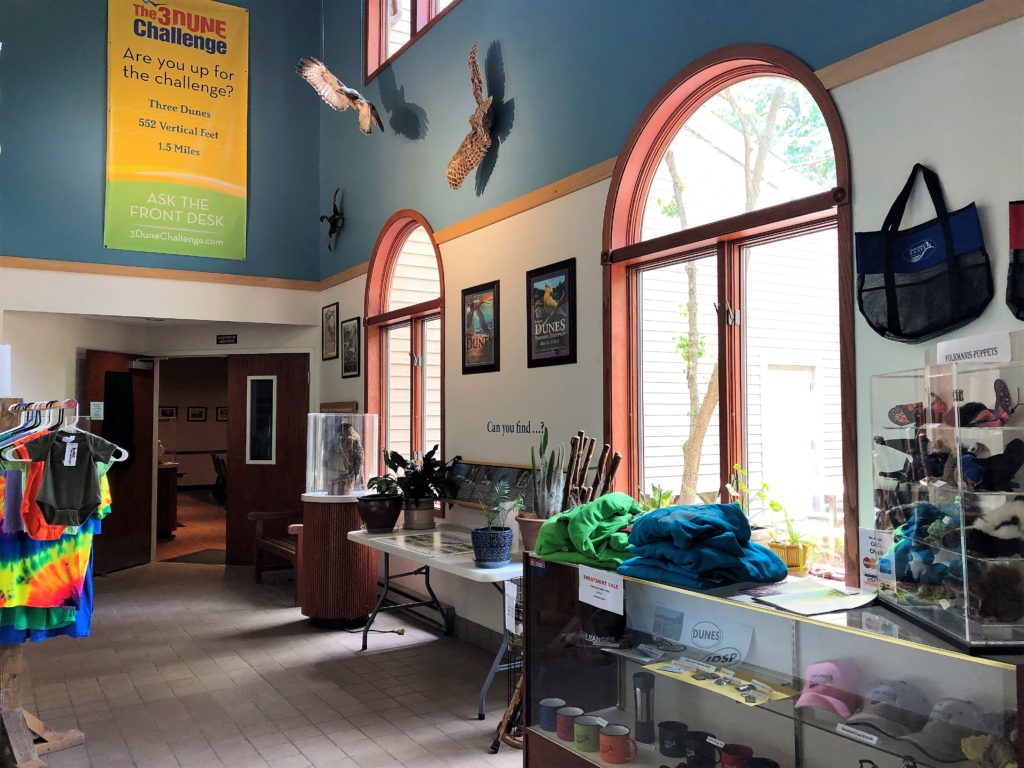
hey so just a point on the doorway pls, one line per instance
(192, 430)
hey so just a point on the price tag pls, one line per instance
(703, 666)
(715, 742)
(853, 733)
(762, 687)
(601, 721)
(672, 668)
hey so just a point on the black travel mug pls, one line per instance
(643, 700)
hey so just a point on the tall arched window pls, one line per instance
(728, 277)
(404, 332)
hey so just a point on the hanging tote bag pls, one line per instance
(1015, 279)
(918, 283)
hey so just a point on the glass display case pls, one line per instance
(700, 680)
(948, 502)
(342, 451)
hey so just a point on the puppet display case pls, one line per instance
(703, 679)
(342, 451)
(948, 504)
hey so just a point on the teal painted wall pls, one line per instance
(580, 72)
(53, 136)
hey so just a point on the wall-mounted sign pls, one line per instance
(96, 410)
(177, 111)
(984, 348)
(227, 338)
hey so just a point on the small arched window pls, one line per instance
(729, 277)
(405, 364)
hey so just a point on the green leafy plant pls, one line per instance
(500, 504)
(658, 498)
(425, 480)
(548, 478)
(383, 485)
(783, 532)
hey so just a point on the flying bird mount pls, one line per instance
(473, 148)
(337, 95)
(336, 220)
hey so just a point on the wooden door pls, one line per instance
(268, 400)
(127, 535)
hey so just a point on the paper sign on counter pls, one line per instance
(602, 589)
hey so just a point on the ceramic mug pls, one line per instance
(548, 712)
(701, 753)
(586, 730)
(672, 738)
(564, 719)
(735, 755)
(617, 746)
(760, 762)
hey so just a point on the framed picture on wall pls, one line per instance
(350, 359)
(196, 413)
(168, 413)
(222, 413)
(551, 314)
(481, 351)
(329, 332)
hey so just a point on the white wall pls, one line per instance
(960, 111)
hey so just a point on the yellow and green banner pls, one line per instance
(177, 110)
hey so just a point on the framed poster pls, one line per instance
(329, 332)
(481, 351)
(168, 413)
(350, 358)
(551, 314)
(196, 413)
(222, 413)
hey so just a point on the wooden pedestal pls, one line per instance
(339, 577)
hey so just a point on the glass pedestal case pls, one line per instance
(702, 680)
(948, 449)
(342, 452)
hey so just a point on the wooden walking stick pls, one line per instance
(613, 467)
(602, 467)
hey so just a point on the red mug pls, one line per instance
(735, 755)
(564, 721)
(616, 744)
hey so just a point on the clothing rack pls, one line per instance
(23, 736)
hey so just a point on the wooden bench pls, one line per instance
(284, 547)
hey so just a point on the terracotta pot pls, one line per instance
(419, 516)
(528, 528)
(796, 556)
(492, 547)
(379, 513)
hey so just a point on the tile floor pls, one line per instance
(196, 666)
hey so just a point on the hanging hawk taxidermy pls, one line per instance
(336, 220)
(473, 148)
(337, 95)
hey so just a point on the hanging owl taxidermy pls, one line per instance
(336, 220)
(473, 148)
(337, 95)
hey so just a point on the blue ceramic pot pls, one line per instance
(492, 547)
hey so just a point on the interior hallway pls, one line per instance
(202, 527)
(196, 666)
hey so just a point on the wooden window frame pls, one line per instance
(379, 320)
(375, 31)
(624, 254)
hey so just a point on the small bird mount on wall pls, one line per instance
(336, 220)
(473, 148)
(337, 95)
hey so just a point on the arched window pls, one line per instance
(728, 277)
(404, 332)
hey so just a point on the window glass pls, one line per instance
(398, 24)
(792, 384)
(431, 383)
(399, 390)
(260, 437)
(415, 277)
(678, 355)
(760, 142)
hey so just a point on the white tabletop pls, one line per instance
(459, 565)
(326, 498)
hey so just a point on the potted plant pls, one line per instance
(492, 544)
(548, 483)
(422, 483)
(783, 538)
(379, 510)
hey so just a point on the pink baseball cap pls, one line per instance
(830, 686)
